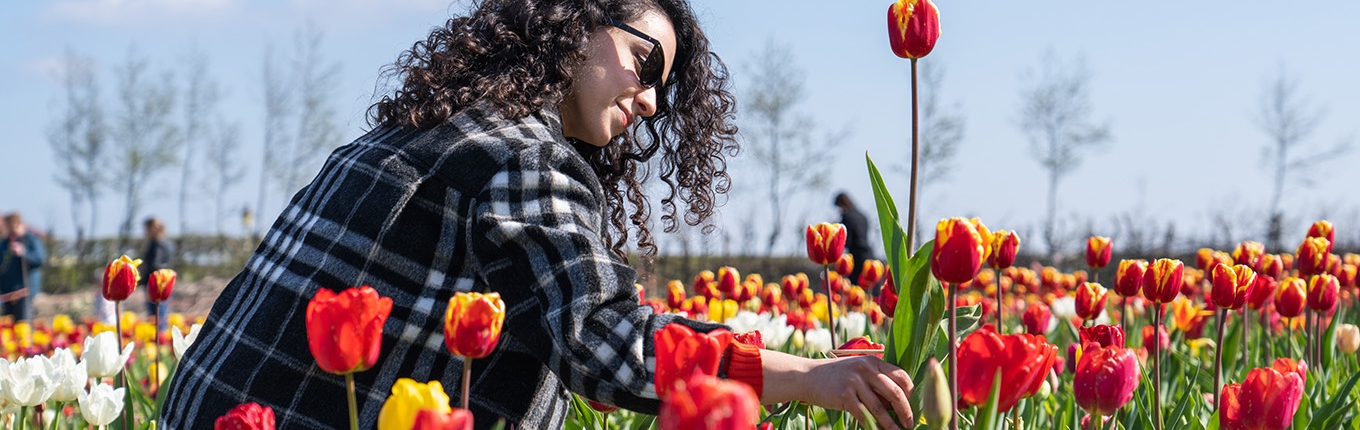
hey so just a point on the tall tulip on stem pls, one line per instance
(158, 289)
(961, 245)
(1004, 245)
(825, 244)
(1161, 284)
(913, 28)
(344, 333)
(1128, 282)
(120, 279)
(1232, 285)
(472, 328)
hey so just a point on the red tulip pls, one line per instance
(246, 416)
(1090, 300)
(1005, 245)
(344, 331)
(701, 401)
(1249, 254)
(120, 278)
(1333, 265)
(1162, 280)
(1128, 278)
(1098, 251)
(871, 273)
(753, 338)
(675, 294)
(1312, 256)
(1105, 379)
(913, 27)
(680, 351)
(1323, 229)
(1288, 365)
(845, 264)
(771, 296)
(706, 285)
(603, 408)
(1272, 266)
(472, 324)
(887, 297)
(825, 242)
(1230, 407)
(458, 419)
(1269, 398)
(960, 248)
(793, 285)
(729, 282)
(1232, 284)
(1291, 297)
(1105, 335)
(862, 342)
(1262, 292)
(1036, 318)
(1163, 338)
(1023, 361)
(160, 285)
(1347, 277)
(1322, 292)
(1286, 260)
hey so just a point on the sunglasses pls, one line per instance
(654, 66)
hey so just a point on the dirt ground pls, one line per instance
(190, 298)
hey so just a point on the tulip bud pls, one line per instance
(101, 405)
(1162, 280)
(1322, 292)
(1249, 254)
(160, 285)
(120, 278)
(246, 416)
(913, 28)
(1262, 292)
(1312, 256)
(1347, 338)
(1323, 229)
(1005, 245)
(935, 405)
(703, 401)
(1090, 300)
(675, 295)
(472, 324)
(1104, 335)
(1291, 297)
(408, 399)
(960, 248)
(1128, 278)
(1105, 379)
(1347, 276)
(1231, 285)
(825, 242)
(1269, 398)
(1272, 266)
(344, 331)
(1098, 251)
(1036, 318)
(457, 419)
(705, 285)
(845, 264)
(729, 282)
(871, 273)
(887, 297)
(1162, 338)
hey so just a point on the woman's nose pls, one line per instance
(646, 101)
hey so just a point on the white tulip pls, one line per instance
(179, 342)
(1064, 308)
(852, 324)
(818, 340)
(743, 321)
(69, 376)
(777, 332)
(101, 405)
(101, 356)
(29, 382)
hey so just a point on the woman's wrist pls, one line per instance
(784, 377)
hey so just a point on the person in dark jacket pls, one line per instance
(20, 268)
(856, 235)
(159, 254)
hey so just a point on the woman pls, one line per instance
(159, 254)
(503, 163)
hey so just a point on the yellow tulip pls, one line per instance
(63, 324)
(409, 398)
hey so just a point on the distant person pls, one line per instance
(159, 254)
(856, 235)
(20, 274)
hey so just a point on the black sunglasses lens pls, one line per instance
(652, 67)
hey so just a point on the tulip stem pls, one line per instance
(915, 162)
(122, 372)
(1001, 327)
(830, 304)
(1218, 356)
(953, 341)
(156, 375)
(1156, 366)
(1246, 334)
(23, 416)
(467, 380)
(353, 406)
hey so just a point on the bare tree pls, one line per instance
(200, 99)
(1288, 119)
(223, 171)
(145, 137)
(78, 138)
(781, 140)
(941, 132)
(276, 110)
(317, 130)
(1055, 114)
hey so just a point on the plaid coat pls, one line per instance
(480, 203)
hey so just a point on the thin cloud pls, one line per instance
(116, 13)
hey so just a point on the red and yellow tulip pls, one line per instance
(472, 323)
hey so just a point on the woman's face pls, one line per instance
(606, 96)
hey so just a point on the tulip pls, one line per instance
(753, 338)
(160, 285)
(705, 285)
(430, 419)
(1023, 360)
(860, 343)
(817, 340)
(1268, 399)
(960, 248)
(771, 296)
(1098, 252)
(1128, 278)
(472, 324)
(101, 405)
(344, 331)
(1323, 229)
(101, 356)
(702, 401)
(913, 28)
(1230, 408)
(1036, 318)
(1286, 365)
(1347, 338)
(408, 398)
(246, 416)
(1104, 335)
(27, 382)
(1312, 256)
(1347, 276)
(1249, 254)
(675, 295)
(1262, 292)
(790, 286)
(1322, 292)
(1090, 300)
(681, 351)
(935, 405)
(1162, 280)
(1163, 339)
(1272, 266)
(120, 278)
(603, 408)
(180, 342)
(1185, 315)
(68, 376)
(1232, 284)
(845, 264)
(1291, 297)
(887, 297)
(871, 273)
(729, 281)
(1105, 379)
(825, 243)
(1003, 248)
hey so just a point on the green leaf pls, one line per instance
(1329, 340)
(1332, 412)
(1232, 347)
(988, 417)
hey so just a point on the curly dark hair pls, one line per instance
(517, 54)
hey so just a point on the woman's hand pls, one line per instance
(852, 384)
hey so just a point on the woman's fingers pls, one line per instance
(870, 402)
(895, 396)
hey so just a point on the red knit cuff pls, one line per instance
(743, 365)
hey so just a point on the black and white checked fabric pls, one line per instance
(480, 203)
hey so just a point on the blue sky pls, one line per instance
(1178, 81)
